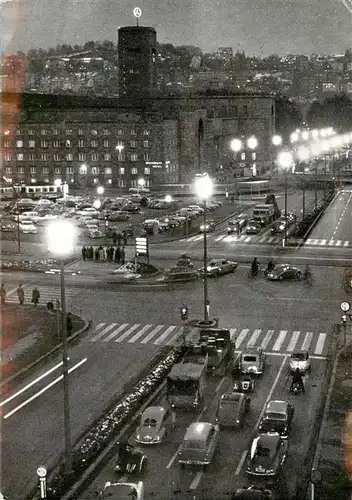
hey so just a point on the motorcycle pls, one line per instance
(296, 388)
(135, 464)
(245, 386)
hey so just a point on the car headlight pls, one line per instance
(157, 439)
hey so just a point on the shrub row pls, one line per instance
(30, 265)
(301, 229)
(110, 425)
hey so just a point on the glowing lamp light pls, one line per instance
(285, 159)
(61, 237)
(303, 153)
(315, 133)
(168, 198)
(336, 142)
(57, 182)
(100, 190)
(252, 142)
(141, 182)
(97, 204)
(315, 149)
(305, 135)
(294, 137)
(204, 187)
(236, 145)
(277, 140)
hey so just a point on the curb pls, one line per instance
(87, 324)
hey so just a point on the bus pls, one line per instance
(10, 192)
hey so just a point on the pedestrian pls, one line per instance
(114, 238)
(84, 252)
(96, 254)
(125, 238)
(101, 253)
(117, 255)
(122, 256)
(20, 295)
(3, 295)
(69, 324)
(119, 239)
(91, 253)
(35, 296)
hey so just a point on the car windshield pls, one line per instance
(149, 422)
(193, 445)
(275, 416)
(120, 492)
(262, 451)
(247, 358)
(299, 356)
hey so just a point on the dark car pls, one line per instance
(254, 227)
(253, 493)
(284, 272)
(277, 417)
(278, 227)
(266, 455)
(232, 409)
(236, 225)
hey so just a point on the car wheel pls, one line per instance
(299, 275)
(281, 278)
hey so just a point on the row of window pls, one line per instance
(69, 144)
(70, 170)
(81, 157)
(80, 131)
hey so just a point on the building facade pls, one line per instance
(137, 61)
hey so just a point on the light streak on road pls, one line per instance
(42, 391)
(30, 384)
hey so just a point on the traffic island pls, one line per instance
(38, 265)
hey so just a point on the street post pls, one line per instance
(42, 472)
(345, 307)
(184, 317)
(141, 248)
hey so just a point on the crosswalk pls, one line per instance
(47, 293)
(265, 240)
(269, 340)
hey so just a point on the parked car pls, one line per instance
(132, 208)
(199, 444)
(119, 216)
(300, 360)
(266, 455)
(94, 234)
(27, 227)
(277, 417)
(123, 491)
(155, 424)
(177, 273)
(8, 228)
(217, 267)
(252, 360)
(232, 409)
(284, 272)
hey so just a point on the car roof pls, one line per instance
(269, 439)
(252, 349)
(197, 429)
(154, 412)
(232, 396)
(276, 406)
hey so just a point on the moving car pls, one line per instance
(252, 361)
(300, 360)
(156, 422)
(254, 227)
(123, 491)
(278, 227)
(232, 409)
(7, 228)
(177, 273)
(199, 444)
(267, 454)
(284, 272)
(207, 228)
(277, 417)
(216, 267)
(237, 225)
(27, 227)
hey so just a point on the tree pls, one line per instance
(287, 116)
(335, 111)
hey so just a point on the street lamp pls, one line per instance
(204, 190)
(119, 148)
(236, 146)
(252, 143)
(276, 140)
(61, 237)
(100, 190)
(141, 184)
(303, 154)
(285, 161)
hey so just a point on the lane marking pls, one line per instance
(233, 333)
(30, 384)
(241, 337)
(338, 243)
(279, 340)
(115, 332)
(320, 344)
(267, 339)
(139, 334)
(220, 384)
(173, 458)
(307, 341)
(194, 484)
(165, 334)
(346, 244)
(128, 332)
(103, 332)
(175, 336)
(42, 391)
(152, 334)
(254, 337)
(293, 341)
(238, 470)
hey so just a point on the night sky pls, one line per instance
(259, 27)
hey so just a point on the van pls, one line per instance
(232, 408)
(199, 444)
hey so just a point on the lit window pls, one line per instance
(55, 131)
(82, 156)
(7, 144)
(19, 144)
(133, 144)
(69, 157)
(120, 131)
(95, 180)
(56, 143)
(134, 171)
(134, 157)
(121, 156)
(68, 143)
(146, 131)
(106, 143)
(95, 170)
(147, 170)
(94, 157)
(133, 132)
(94, 131)
(69, 131)
(107, 156)
(83, 169)
(7, 132)
(58, 170)
(43, 131)
(243, 156)
(20, 157)
(254, 155)
(146, 144)
(122, 170)
(44, 156)
(32, 170)
(146, 157)
(8, 170)
(94, 144)
(43, 144)
(31, 157)
(45, 170)
(106, 131)
(80, 131)
(57, 157)
(109, 181)
(70, 170)
(108, 171)
(18, 132)
(30, 131)
(20, 170)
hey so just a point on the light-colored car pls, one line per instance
(252, 360)
(123, 491)
(33, 216)
(216, 267)
(27, 227)
(300, 360)
(199, 444)
(88, 211)
(155, 424)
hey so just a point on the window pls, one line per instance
(31, 144)
(120, 131)
(69, 157)
(45, 170)
(43, 144)
(106, 143)
(30, 131)
(20, 170)
(68, 143)
(134, 157)
(122, 170)
(56, 143)
(121, 156)
(120, 145)
(245, 110)
(243, 156)
(147, 170)
(133, 144)
(8, 170)
(146, 131)
(82, 156)
(31, 157)
(7, 156)
(108, 171)
(20, 157)
(57, 157)
(146, 144)
(70, 170)
(57, 170)
(80, 131)
(94, 131)
(254, 156)
(94, 144)
(7, 144)
(32, 170)
(19, 144)
(94, 157)
(55, 131)
(95, 170)
(44, 156)
(43, 131)
(107, 156)
(83, 169)
(106, 131)
(133, 131)
(134, 171)
(69, 131)
(18, 131)
(146, 157)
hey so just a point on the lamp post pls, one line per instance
(204, 190)
(303, 154)
(141, 184)
(61, 238)
(119, 148)
(285, 161)
(252, 143)
(236, 146)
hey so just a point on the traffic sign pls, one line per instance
(141, 246)
(345, 306)
(137, 12)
